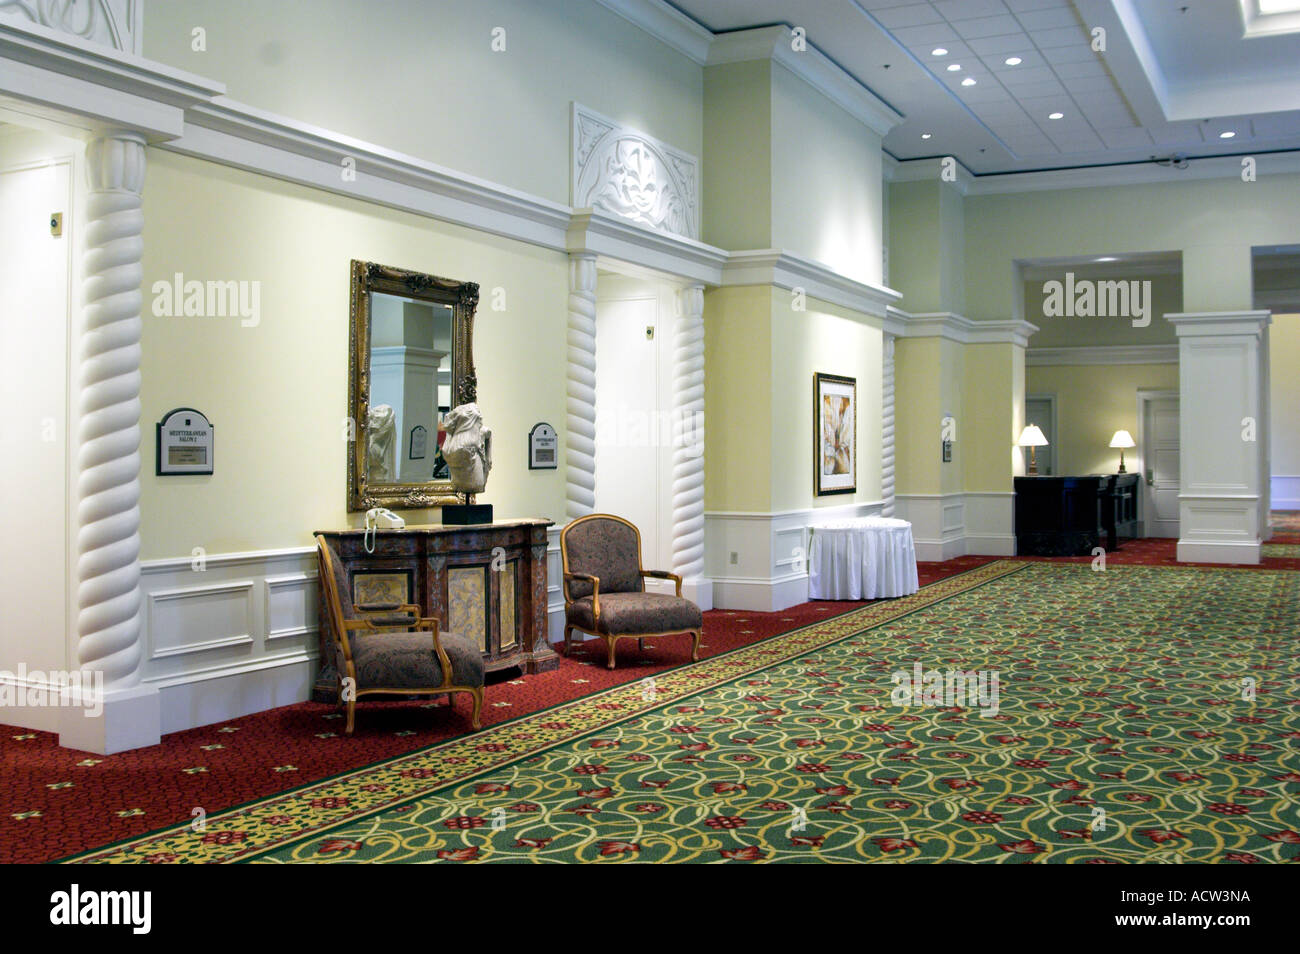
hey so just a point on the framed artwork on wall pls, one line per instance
(835, 444)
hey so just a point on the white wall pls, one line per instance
(36, 179)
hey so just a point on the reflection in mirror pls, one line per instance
(410, 362)
(410, 389)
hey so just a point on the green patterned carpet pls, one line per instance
(1126, 732)
(1281, 550)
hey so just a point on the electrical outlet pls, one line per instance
(56, 224)
(649, 332)
(735, 557)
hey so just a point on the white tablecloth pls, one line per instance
(862, 559)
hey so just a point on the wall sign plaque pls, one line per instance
(184, 444)
(543, 448)
(419, 442)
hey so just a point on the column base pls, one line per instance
(699, 591)
(120, 720)
(1192, 551)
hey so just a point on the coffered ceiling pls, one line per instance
(1020, 85)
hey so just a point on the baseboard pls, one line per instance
(998, 544)
(1284, 492)
(759, 561)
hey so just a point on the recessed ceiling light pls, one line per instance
(938, 51)
(953, 67)
(968, 82)
(1227, 135)
(1013, 61)
(1108, 258)
(925, 135)
(1056, 115)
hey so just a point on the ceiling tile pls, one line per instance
(1029, 59)
(1048, 19)
(1069, 71)
(1090, 84)
(970, 9)
(1124, 138)
(988, 26)
(914, 14)
(1019, 6)
(1081, 52)
(1063, 36)
(1005, 44)
(927, 34)
(1027, 77)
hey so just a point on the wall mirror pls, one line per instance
(410, 361)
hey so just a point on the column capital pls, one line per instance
(115, 162)
(1196, 324)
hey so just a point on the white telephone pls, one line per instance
(379, 518)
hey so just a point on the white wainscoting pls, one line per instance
(758, 561)
(229, 635)
(1285, 492)
(952, 525)
(938, 524)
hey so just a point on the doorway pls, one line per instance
(1040, 409)
(1158, 446)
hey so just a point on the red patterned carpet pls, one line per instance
(56, 801)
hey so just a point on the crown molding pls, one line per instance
(771, 266)
(955, 327)
(666, 24)
(812, 66)
(930, 169)
(607, 236)
(1102, 355)
(58, 77)
(247, 138)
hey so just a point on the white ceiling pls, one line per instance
(1175, 74)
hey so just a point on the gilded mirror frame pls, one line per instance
(370, 277)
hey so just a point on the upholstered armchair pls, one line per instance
(395, 654)
(604, 587)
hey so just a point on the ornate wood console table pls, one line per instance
(487, 582)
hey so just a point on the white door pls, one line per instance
(1160, 466)
(34, 422)
(1040, 409)
(628, 429)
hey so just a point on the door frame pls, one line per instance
(1144, 397)
(1056, 430)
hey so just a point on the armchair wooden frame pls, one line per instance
(611, 639)
(403, 614)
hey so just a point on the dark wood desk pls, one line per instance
(1072, 516)
(486, 581)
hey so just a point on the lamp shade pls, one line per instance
(1122, 439)
(1032, 436)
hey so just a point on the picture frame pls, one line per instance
(835, 440)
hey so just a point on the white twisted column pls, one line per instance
(108, 455)
(580, 440)
(887, 427)
(688, 444)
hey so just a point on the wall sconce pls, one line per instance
(1122, 439)
(1032, 437)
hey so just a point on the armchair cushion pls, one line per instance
(607, 549)
(630, 613)
(401, 660)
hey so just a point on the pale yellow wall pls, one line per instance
(994, 395)
(1092, 403)
(918, 408)
(1284, 384)
(1067, 332)
(1214, 222)
(738, 398)
(277, 392)
(952, 401)
(915, 267)
(420, 76)
(826, 181)
(737, 161)
(833, 340)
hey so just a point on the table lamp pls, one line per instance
(1031, 437)
(1122, 439)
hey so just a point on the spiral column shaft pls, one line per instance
(108, 455)
(580, 439)
(887, 426)
(688, 425)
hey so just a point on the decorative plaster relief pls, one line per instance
(114, 23)
(623, 171)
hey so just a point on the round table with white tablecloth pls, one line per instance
(865, 558)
